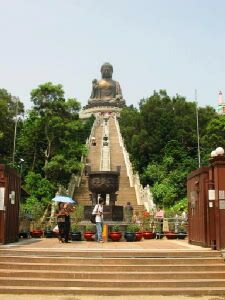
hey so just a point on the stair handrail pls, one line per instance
(126, 156)
(143, 194)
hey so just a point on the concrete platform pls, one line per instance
(53, 244)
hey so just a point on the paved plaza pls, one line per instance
(53, 244)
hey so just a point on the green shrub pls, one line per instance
(115, 228)
(90, 228)
(74, 228)
(133, 228)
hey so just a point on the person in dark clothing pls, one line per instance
(68, 209)
(60, 214)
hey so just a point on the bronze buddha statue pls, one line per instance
(106, 92)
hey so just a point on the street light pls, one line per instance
(21, 164)
(197, 130)
(16, 100)
(218, 152)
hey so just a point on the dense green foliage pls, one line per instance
(50, 141)
(9, 108)
(161, 138)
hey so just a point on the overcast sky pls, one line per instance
(177, 45)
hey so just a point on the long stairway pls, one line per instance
(126, 192)
(97, 272)
(82, 194)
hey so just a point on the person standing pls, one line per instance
(68, 209)
(98, 212)
(128, 213)
(159, 215)
(60, 214)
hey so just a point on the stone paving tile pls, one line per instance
(127, 297)
(53, 243)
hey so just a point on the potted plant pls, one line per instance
(37, 232)
(182, 233)
(48, 233)
(138, 233)
(25, 234)
(75, 232)
(148, 224)
(89, 232)
(148, 232)
(171, 234)
(130, 234)
(115, 233)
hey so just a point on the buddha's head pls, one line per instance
(106, 70)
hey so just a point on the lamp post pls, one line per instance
(16, 100)
(197, 130)
(21, 165)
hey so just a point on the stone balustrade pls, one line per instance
(143, 194)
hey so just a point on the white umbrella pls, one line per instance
(65, 199)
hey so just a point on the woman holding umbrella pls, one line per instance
(68, 209)
(63, 216)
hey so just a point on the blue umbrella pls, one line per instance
(65, 199)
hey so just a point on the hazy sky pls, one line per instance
(177, 45)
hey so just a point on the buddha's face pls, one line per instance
(106, 71)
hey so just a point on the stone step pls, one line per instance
(113, 268)
(109, 253)
(116, 283)
(112, 291)
(111, 261)
(113, 276)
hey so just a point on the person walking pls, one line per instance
(60, 214)
(98, 212)
(67, 209)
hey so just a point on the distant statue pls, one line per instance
(106, 92)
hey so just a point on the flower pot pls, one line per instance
(76, 236)
(181, 235)
(138, 236)
(48, 233)
(148, 235)
(159, 235)
(171, 235)
(88, 235)
(37, 233)
(24, 234)
(115, 236)
(130, 236)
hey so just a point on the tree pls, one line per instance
(8, 108)
(53, 137)
(162, 141)
(214, 136)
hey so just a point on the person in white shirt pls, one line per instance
(98, 212)
(159, 215)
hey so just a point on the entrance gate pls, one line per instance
(9, 204)
(206, 205)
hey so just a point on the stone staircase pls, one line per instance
(126, 193)
(93, 159)
(111, 272)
